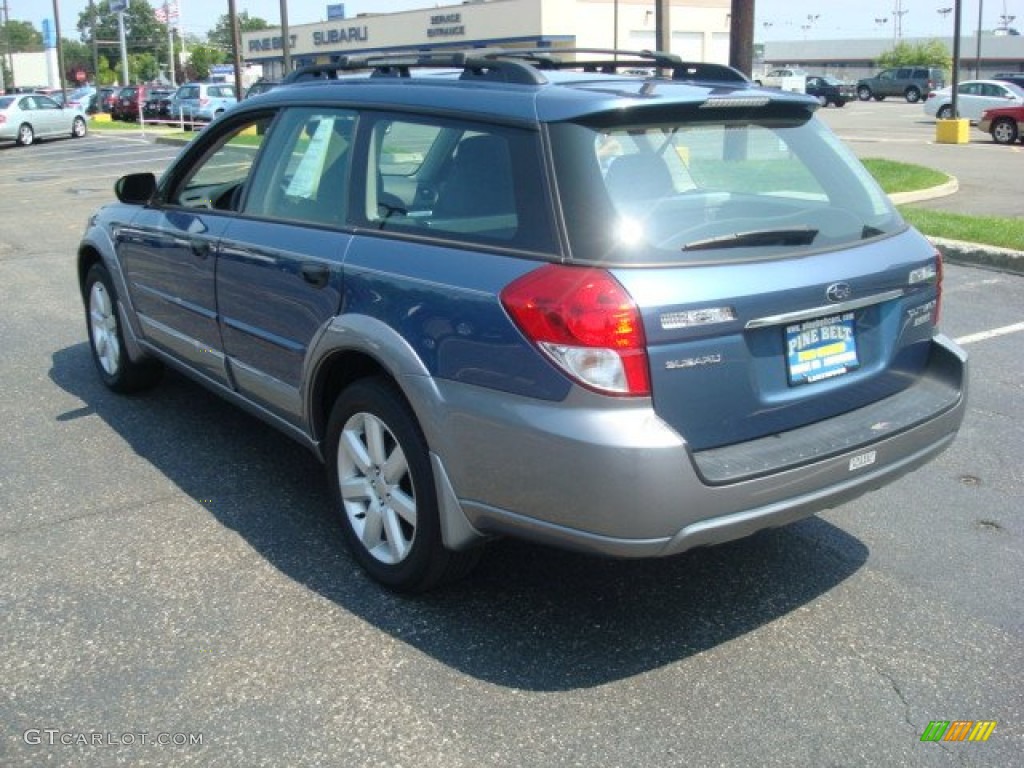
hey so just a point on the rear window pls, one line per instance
(672, 192)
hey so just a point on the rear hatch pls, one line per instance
(741, 351)
(777, 285)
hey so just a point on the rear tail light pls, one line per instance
(938, 289)
(586, 323)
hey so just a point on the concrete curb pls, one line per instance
(957, 251)
(950, 187)
(975, 255)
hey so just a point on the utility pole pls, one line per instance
(236, 48)
(662, 26)
(8, 59)
(741, 36)
(60, 53)
(286, 38)
(95, 44)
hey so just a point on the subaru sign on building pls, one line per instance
(699, 32)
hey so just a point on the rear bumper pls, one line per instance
(612, 478)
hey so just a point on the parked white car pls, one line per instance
(973, 98)
(785, 79)
(25, 117)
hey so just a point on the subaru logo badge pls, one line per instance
(838, 292)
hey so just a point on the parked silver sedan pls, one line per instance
(29, 116)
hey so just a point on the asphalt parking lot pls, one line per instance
(989, 175)
(175, 591)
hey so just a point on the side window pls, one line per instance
(218, 180)
(454, 180)
(305, 173)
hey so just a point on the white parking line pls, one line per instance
(983, 335)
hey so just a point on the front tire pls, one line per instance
(382, 484)
(78, 128)
(945, 112)
(864, 93)
(118, 371)
(1005, 131)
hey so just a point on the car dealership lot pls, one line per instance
(171, 567)
(990, 178)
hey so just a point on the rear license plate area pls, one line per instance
(821, 349)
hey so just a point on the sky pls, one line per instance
(775, 19)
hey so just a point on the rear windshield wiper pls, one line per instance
(793, 236)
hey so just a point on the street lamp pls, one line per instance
(898, 14)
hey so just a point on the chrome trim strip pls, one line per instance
(828, 309)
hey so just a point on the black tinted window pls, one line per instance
(481, 184)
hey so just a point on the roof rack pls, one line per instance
(520, 65)
(482, 63)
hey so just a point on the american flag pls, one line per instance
(167, 12)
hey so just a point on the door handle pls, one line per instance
(315, 274)
(200, 248)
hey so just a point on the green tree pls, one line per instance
(106, 74)
(21, 36)
(220, 36)
(76, 56)
(201, 59)
(143, 33)
(930, 54)
(144, 66)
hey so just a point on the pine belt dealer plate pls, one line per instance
(821, 349)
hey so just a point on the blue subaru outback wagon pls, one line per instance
(514, 293)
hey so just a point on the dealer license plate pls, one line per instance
(821, 349)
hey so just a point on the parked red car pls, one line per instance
(1003, 123)
(129, 102)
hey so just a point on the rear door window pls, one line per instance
(455, 180)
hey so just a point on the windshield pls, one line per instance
(689, 191)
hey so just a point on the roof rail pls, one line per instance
(478, 63)
(520, 65)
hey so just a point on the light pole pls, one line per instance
(977, 50)
(898, 14)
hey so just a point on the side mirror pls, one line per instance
(135, 188)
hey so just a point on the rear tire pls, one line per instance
(382, 484)
(913, 95)
(25, 135)
(78, 128)
(118, 371)
(1005, 131)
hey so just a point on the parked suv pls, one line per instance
(128, 102)
(501, 296)
(912, 83)
(202, 102)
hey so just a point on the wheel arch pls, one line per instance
(358, 347)
(354, 347)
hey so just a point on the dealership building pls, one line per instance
(699, 30)
(980, 55)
